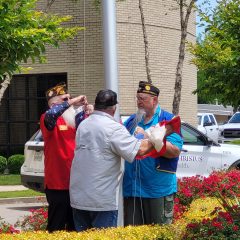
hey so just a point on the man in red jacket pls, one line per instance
(58, 125)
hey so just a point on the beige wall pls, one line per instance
(162, 26)
(82, 57)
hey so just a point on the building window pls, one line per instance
(21, 107)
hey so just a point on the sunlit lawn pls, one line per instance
(24, 193)
(11, 179)
(235, 142)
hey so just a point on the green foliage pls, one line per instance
(25, 32)
(21, 193)
(97, 3)
(14, 163)
(218, 54)
(10, 179)
(7, 228)
(224, 225)
(3, 164)
(145, 232)
(237, 142)
(202, 96)
(34, 222)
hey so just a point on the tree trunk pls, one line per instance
(4, 86)
(145, 42)
(178, 81)
(49, 4)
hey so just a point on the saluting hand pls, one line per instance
(89, 108)
(78, 101)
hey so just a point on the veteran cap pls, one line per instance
(105, 98)
(146, 87)
(57, 90)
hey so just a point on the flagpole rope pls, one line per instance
(137, 119)
(84, 47)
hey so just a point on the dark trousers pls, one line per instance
(94, 219)
(60, 215)
(140, 211)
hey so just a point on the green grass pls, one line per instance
(15, 180)
(24, 193)
(10, 179)
(235, 142)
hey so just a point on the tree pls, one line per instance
(185, 10)
(204, 98)
(24, 34)
(218, 54)
(145, 38)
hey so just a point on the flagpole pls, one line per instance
(110, 47)
(111, 69)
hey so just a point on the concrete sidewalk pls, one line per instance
(14, 209)
(9, 188)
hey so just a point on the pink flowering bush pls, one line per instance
(7, 228)
(190, 188)
(226, 225)
(36, 221)
(222, 223)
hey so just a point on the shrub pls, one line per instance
(36, 221)
(3, 164)
(14, 163)
(225, 225)
(128, 233)
(226, 183)
(223, 222)
(201, 208)
(212, 212)
(7, 228)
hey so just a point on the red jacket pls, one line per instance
(59, 145)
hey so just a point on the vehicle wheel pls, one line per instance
(236, 166)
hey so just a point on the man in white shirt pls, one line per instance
(96, 169)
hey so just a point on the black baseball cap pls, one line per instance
(105, 98)
(146, 87)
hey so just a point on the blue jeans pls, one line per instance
(84, 220)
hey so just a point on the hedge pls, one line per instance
(14, 163)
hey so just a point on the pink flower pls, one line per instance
(235, 228)
(217, 225)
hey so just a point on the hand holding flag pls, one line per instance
(157, 135)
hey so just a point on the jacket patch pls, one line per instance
(63, 127)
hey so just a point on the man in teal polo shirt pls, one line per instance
(149, 185)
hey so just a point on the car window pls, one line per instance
(199, 120)
(206, 120)
(235, 118)
(38, 137)
(212, 120)
(191, 137)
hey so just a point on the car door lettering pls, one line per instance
(191, 158)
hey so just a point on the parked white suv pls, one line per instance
(208, 125)
(199, 156)
(231, 130)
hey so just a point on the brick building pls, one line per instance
(79, 62)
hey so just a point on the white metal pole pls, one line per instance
(110, 47)
(110, 67)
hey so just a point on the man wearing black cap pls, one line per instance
(96, 169)
(58, 125)
(149, 185)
